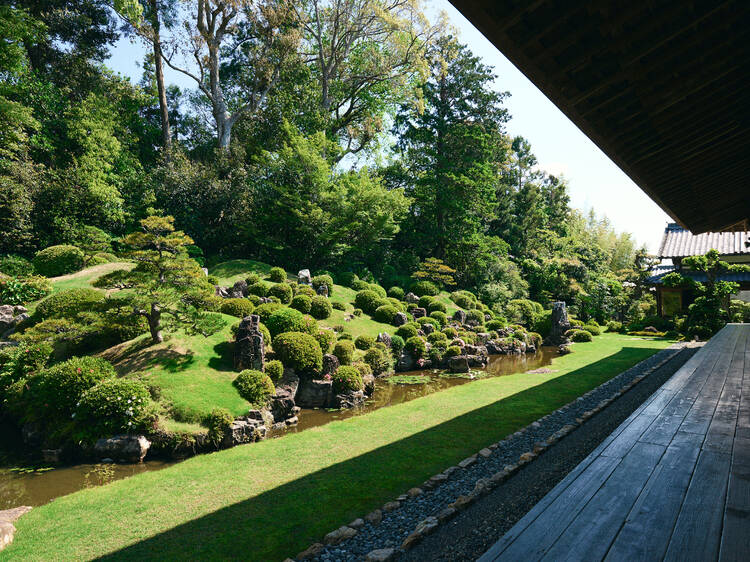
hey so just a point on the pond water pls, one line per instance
(40, 484)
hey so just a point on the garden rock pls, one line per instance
(339, 535)
(400, 319)
(483, 337)
(282, 405)
(244, 431)
(477, 360)
(221, 292)
(458, 364)
(239, 289)
(419, 313)
(350, 399)
(381, 555)
(249, 349)
(460, 316)
(304, 277)
(123, 448)
(564, 350)
(314, 394)
(330, 364)
(384, 338)
(560, 325)
(323, 290)
(10, 317)
(405, 362)
(411, 298)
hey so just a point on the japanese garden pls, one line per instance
(238, 315)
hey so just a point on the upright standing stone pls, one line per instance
(249, 352)
(560, 325)
(323, 290)
(304, 277)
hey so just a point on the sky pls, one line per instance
(560, 147)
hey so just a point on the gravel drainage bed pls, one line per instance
(442, 521)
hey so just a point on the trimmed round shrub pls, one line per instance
(385, 313)
(428, 320)
(397, 344)
(347, 379)
(300, 352)
(614, 326)
(364, 369)
(212, 279)
(320, 307)
(408, 330)
(494, 325)
(16, 266)
(106, 256)
(58, 260)
(450, 331)
(378, 360)
(397, 304)
(368, 301)
(425, 301)
(325, 339)
(254, 386)
(301, 303)
(266, 309)
(359, 285)
(260, 289)
(357, 312)
(593, 329)
(437, 337)
(338, 305)
(441, 317)
(282, 291)
(320, 280)
(218, 423)
(14, 290)
(347, 278)
(286, 320)
(66, 304)
(464, 299)
(306, 290)
(96, 260)
(581, 336)
(476, 316)
(535, 339)
(275, 370)
(115, 406)
(396, 293)
(56, 390)
(378, 289)
(237, 307)
(344, 351)
(252, 279)
(277, 275)
(452, 351)
(421, 288)
(437, 306)
(416, 347)
(255, 299)
(364, 342)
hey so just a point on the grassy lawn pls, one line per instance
(271, 499)
(195, 373)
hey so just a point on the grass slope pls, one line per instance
(269, 500)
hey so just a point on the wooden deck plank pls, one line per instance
(648, 527)
(590, 534)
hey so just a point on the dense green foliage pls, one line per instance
(299, 351)
(347, 379)
(58, 260)
(254, 386)
(114, 406)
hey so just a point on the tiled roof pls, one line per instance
(679, 243)
(660, 271)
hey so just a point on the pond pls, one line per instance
(40, 484)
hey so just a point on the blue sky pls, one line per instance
(559, 145)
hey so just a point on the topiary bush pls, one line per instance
(115, 406)
(286, 320)
(421, 288)
(266, 309)
(218, 423)
(450, 331)
(275, 370)
(396, 293)
(614, 326)
(428, 320)
(320, 280)
(397, 345)
(437, 306)
(494, 325)
(66, 304)
(378, 289)
(441, 317)
(437, 337)
(378, 360)
(282, 291)
(344, 351)
(367, 300)
(14, 290)
(277, 275)
(580, 336)
(320, 307)
(347, 379)
(301, 303)
(364, 342)
(523, 311)
(593, 329)
(408, 330)
(16, 266)
(385, 313)
(425, 301)
(300, 352)
(464, 299)
(347, 278)
(452, 351)
(260, 289)
(237, 307)
(360, 285)
(475, 316)
(252, 279)
(58, 260)
(254, 386)
(416, 347)
(325, 339)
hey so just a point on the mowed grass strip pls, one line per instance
(271, 499)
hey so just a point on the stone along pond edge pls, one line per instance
(401, 523)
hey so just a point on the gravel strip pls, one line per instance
(474, 530)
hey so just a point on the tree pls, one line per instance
(433, 269)
(166, 282)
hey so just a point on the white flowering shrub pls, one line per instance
(115, 406)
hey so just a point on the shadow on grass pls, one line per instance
(283, 521)
(223, 360)
(140, 355)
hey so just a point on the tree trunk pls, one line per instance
(223, 120)
(154, 324)
(166, 134)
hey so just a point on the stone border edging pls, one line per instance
(481, 486)
(7, 518)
